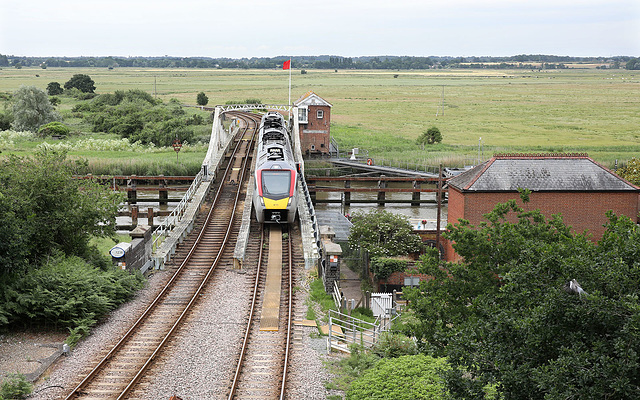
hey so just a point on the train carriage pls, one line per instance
(275, 194)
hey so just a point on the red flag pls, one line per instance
(287, 64)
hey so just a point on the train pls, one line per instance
(275, 197)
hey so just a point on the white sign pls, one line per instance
(116, 252)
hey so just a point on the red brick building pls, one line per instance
(572, 185)
(314, 117)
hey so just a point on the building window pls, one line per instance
(320, 114)
(302, 115)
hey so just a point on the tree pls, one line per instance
(31, 108)
(631, 171)
(507, 315)
(82, 82)
(54, 89)
(202, 99)
(633, 64)
(383, 234)
(6, 118)
(46, 210)
(431, 136)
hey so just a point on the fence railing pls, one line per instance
(345, 330)
(176, 215)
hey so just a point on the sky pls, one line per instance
(349, 28)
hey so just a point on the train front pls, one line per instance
(275, 199)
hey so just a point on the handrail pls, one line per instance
(178, 212)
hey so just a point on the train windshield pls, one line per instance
(275, 184)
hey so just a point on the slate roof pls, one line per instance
(540, 172)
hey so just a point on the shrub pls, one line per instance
(15, 387)
(54, 128)
(67, 292)
(392, 345)
(384, 267)
(413, 377)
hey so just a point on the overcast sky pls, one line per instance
(269, 28)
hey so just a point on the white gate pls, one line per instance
(380, 303)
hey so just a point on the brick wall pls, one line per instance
(580, 210)
(317, 132)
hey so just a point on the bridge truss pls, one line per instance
(242, 107)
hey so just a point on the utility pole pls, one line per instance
(439, 196)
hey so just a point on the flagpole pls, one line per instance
(289, 103)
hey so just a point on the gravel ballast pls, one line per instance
(198, 362)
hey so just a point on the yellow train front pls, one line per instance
(275, 198)
(275, 193)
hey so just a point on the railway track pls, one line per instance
(118, 372)
(262, 366)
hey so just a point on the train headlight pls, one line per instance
(262, 201)
(289, 203)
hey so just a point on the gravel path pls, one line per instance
(202, 354)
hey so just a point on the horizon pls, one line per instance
(293, 57)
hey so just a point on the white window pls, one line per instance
(320, 114)
(302, 115)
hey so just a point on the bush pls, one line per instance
(66, 293)
(16, 387)
(412, 377)
(136, 115)
(384, 267)
(54, 128)
(392, 345)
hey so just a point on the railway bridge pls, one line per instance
(179, 224)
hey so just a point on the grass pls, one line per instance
(485, 111)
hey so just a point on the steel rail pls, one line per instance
(206, 278)
(247, 332)
(166, 288)
(289, 321)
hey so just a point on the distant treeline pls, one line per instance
(323, 62)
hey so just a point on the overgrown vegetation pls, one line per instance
(508, 317)
(66, 292)
(137, 116)
(50, 274)
(16, 387)
(383, 267)
(410, 377)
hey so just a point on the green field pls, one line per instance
(571, 110)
